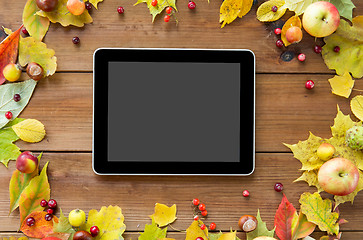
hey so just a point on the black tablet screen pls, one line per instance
(174, 112)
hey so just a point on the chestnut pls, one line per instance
(82, 235)
(247, 223)
(47, 5)
(35, 71)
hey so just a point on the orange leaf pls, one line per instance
(284, 218)
(302, 227)
(41, 228)
(8, 51)
(294, 21)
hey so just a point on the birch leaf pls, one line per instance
(231, 9)
(342, 85)
(36, 25)
(265, 14)
(30, 130)
(356, 105)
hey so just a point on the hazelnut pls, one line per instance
(35, 71)
(247, 223)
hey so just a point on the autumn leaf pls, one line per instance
(261, 229)
(319, 211)
(163, 214)
(63, 225)
(298, 6)
(350, 41)
(294, 21)
(95, 2)
(8, 150)
(345, 7)
(30, 130)
(61, 15)
(231, 9)
(31, 196)
(155, 10)
(342, 85)
(14, 238)
(356, 105)
(18, 182)
(36, 25)
(9, 51)
(41, 228)
(152, 232)
(194, 231)
(109, 220)
(265, 14)
(284, 218)
(302, 227)
(311, 177)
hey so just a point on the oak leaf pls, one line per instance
(163, 214)
(36, 25)
(41, 228)
(261, 229)
(30, 130)
(231, 9)
(356, 105)
(294, 21)
(265, 13)
(342, 85)
(155, 10)
(152, 232)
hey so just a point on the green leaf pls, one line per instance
(7, 103)
(63, 225)
(345, 7)
(31, 196)
(261, 229)
(152, 232)
(298, 6)
(18, 182)
(162, 4)
(319, 211)
(8, 150)
(36, 25)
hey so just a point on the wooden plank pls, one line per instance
(285, 111)
(74, 185)
(196, 29)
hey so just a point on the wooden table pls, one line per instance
(285, 112)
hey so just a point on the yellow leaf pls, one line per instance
(294, 21)
(228, 236)
(163, 214)
(95, 2)
(311, 177)
(356, 105)
(342, 85)
(32, 50)
(194, 231)
(265, 14)
(298, 6)
(231, 9)
(30, 130)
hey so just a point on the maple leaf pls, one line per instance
(265, 14)
(342, 85)
(29, 130)
(231, 9)
(152, 232)
(350, 40)
(294, 21)
(163, 214)
(356, 105)
(319, 211)
(155, 10)
(41, 229)
(194, 231)
(261, 229)
(8, 150)
(36, 25)
(95, 2)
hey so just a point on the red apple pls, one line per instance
(338, 176)
(325, 151)
(321, 19)
(26, 162)
(294, 34)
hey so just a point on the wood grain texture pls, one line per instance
(196, 29)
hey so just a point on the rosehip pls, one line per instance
(202, 226)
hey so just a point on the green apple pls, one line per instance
(338, 176)
(321, 19)
(325, 151)
(77, 217)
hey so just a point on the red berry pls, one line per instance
(94, 230)
(201, 207)
(277, 31)
(202, 226)
(52, 203)
(278, 186)
(167, 18)
(204, 213)
(88, 6)
(317, 49)
(169, 10)
(245, 193)
(279, 43)
(301, 57)
(30, 221)
(43, 203)
(191, 5)
(212, 226)
(76, 40)
(199, 238)
(50, 210)
(274, 8)
(9, 115)
(17, 97)
(309, 85)
(154, 3)
(120, 10)
(48, 217)
(196, 201)
(25, 31)
(336, 49)
(196, 217)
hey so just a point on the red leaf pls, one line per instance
(8, 51)
(283, 219)
(41, 228)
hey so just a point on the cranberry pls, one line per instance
(301, 57)
(120, 10)
(277, 31)
(52, 203)
(17, 97)
(30, 221)
(274, 8)
(201, 207)
(317, 49)
(9, 115)
(309, 85)
(94, 230)
(336, 49)
(278, 187)
(50, 210)
(48, 217)
(279, 43)
(43, 203)
(76, 40)
(245, 193)
(191, 5)
(25, 31)
(88, 6)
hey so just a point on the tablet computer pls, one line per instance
(174, 112)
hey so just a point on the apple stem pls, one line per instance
(343, 174)
(358, 90)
